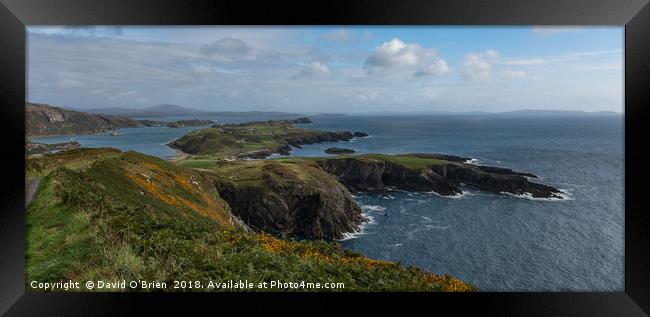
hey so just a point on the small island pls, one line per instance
(338, 150)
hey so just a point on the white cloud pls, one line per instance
(397, 56)
(313, 70)
(291, 72)
(476, 67)
(492, 54)
(227, 49)
(394, 53)
(438, 68)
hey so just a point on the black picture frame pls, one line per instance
(634, 15)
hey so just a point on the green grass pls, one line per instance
(73, 159)
(107, 222)
(198, 163)
(231, 140)
(407, 160)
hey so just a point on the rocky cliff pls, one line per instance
(293, 198)
(429, 172)
(41, 119)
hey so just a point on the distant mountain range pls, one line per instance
(42, 119)
(515, 113)
(532, 112)
(175, 110)
(154, 111)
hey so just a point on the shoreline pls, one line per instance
(178, 156)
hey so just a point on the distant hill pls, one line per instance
(175, 110)
(155, 111)
(42, 119)
(547, 113)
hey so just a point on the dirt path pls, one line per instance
(31, 187)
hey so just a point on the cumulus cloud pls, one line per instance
(313, 70)
(476, 67)
(437, 68)
(480, 66)
(396, 55)
(291, 72)
(492, 54)
(227, 48)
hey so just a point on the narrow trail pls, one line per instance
(31, 187)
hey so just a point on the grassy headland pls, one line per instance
(103, 214)
(253, 139)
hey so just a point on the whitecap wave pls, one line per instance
(368, 220)
(454, 196)
(564, 196)
(438, 227)
(472, 161)
(373, 208)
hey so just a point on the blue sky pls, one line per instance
(328, 69)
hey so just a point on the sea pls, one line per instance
(496, 242)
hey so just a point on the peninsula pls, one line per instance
(42, 120)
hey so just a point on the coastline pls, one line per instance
(178, 156)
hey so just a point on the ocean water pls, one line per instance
(148, 140)
(497, 242)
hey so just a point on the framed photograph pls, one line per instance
(465, 156)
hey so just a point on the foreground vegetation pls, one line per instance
(103, 214)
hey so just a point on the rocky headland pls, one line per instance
(296, 198)
(442, 174)
(254, 140)
(43, 120)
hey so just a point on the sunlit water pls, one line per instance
(497, 242)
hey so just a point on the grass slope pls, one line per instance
(131, 216)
